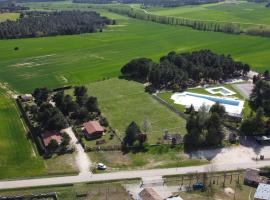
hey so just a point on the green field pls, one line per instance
(81, 59)
(240, 12)
(18, 158)
(124, 101)
(8, 16)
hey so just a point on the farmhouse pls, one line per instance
(92, 130)
(148, 194)
(48, 136)
(262, 192)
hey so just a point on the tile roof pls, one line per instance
(93, 127)
(149, 194)
(48, 136)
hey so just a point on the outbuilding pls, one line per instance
(262, 192)
(93, 130)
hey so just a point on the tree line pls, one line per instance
(7, 6)
(39, 24)
(179, 70)
(233, 28)
(163, 3)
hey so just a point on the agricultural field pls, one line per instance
(82, 59)
(18, 157)
(8, 16)
(122, 102)
(241, 12)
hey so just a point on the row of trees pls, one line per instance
(38, 24)
(178, 70)
(163, 3)
(233, 28)
(8, 6)
(205, 128)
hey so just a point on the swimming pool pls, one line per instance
(216, 99)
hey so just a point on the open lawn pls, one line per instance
(155, 157)
(243, 12)
(17, 158)
(123, 101)
(81, 59)
(8, 16)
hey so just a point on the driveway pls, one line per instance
(82, 160)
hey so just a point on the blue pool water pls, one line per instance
(216, 99)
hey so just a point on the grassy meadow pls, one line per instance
(8, 16)
(123, 101)
(18, 158)
(247, 13)
(81, 59)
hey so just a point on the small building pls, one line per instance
(93, 130)
(48, 136)
(253, 178)
(26, 97)
(262, 192)
(149, 194)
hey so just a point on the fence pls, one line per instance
(183, 115)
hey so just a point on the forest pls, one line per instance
(178, 70)
(39, 24)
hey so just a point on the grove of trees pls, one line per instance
(39, 24)
(178, 70)
(205, 128)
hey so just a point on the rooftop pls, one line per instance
(48, 136)
(262, 192)
(93, 127)
(149, 194)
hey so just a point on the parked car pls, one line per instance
(198, 186)
(101, 166)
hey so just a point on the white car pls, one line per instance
(101, 166)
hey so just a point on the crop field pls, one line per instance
(122, 102)
(241, 12)
(8, 16)
(81, 59)
(17, 156)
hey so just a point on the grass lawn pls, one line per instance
(243, 12)
(81, 59)
(155, 157)
(8, 16)
(95, 191)
(18, 158)
(123, 101)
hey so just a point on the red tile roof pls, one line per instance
(149, 194)
(93, 127)
(48, 136)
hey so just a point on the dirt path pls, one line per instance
(82, 160)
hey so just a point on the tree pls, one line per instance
(214, 134)
(132, 132)
(146, 125)
(53, 145)
(58, 98)
(80, 91)
(219, 109)
(92, 104)
(266, 75)
(41, 95)
(65, 139)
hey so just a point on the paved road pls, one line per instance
(128, 174)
